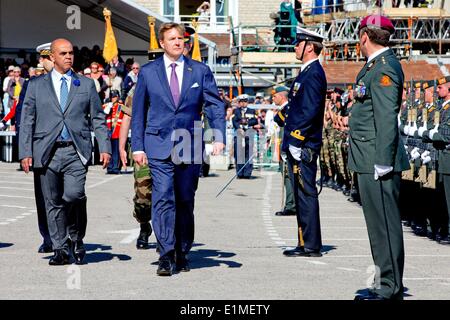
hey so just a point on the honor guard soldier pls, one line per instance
(243, 121)
(280, 98)
(378, 156)
(439, 135)
(114, 116)
(303, 139)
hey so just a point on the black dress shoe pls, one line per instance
(301, 252)
(144, 234)
(420, 231)
(369, 296)
(45, 248)
(445, 240)
(59, 259)
(285, 213)
(182, 264)
(164, 267)
(79, 252)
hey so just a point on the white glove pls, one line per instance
(2, 126)
(295, 152)
(381, 171)
(433, 131)
(108, 107)
(425, 157)
(406, 129)
(399, 121)
(284, 156)
(415, 154)
(412, 130)
(422, 129)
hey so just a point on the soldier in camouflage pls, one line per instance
(142, 180)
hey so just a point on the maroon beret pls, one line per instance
(377, 21)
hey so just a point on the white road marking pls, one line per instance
(11, 220)
(22, 197)
(316, 262)
(27, 213)
(103, 182)
(13, 188)
(348, 269)
(20, 217)
(11, 206)
(15, 182)
(133, 235)
(4, 223)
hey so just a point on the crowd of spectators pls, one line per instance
(117, 75)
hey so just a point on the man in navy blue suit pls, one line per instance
(303, 139)
(170, 95)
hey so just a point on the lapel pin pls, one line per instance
(76, 83)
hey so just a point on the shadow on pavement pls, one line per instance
(5, 245)
(328, 248)
(209, 258)
(95, 254)
(365, 291)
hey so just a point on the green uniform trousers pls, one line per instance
(381, 210)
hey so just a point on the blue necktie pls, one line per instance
(64, 94)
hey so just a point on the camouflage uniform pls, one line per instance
(142, 180)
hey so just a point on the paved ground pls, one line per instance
(237, 255)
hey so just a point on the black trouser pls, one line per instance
(306, 199)
(40, 208)
(243, 151)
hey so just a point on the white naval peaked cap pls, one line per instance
(242, 97)
(44, 49)
(303, 34)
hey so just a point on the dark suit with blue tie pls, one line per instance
(157, 124)
(303, 129)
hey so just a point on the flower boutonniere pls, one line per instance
(76, 83)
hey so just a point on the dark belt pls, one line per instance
(63, 144)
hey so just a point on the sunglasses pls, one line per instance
(244, 100)
(135, 68)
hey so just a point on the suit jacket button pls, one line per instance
(363, 138)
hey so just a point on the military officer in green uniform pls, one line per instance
(378, 156)
(280, 98)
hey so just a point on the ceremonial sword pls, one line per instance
(223, 189)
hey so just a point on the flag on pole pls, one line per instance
(196, 55)
(110, 48)
(153, 42)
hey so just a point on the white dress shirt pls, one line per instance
(376, 54)
(303, 66)
(56, 79)
(178, 70)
